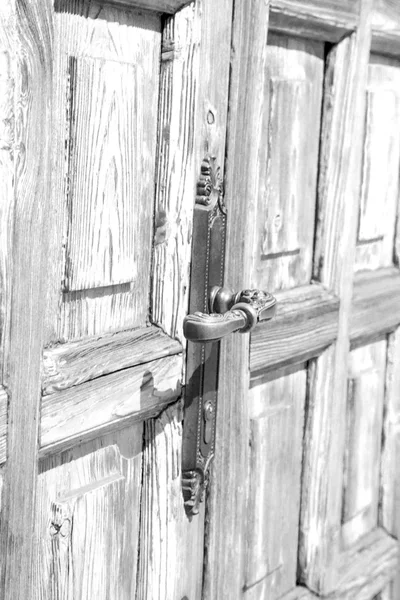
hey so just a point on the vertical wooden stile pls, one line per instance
(224, 558)
(340, 170)
(26, 27)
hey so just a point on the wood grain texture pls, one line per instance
(162, 6)
(67, 365)
(26, 32)
(324, 20)
(375, 308)
(3, 425)
(306, 323)
(225, 520)
(192, 124)
(365, 399)
(367, 568)
(170, 545)
(385, 27)
(283, 246)
(176, 170)
(274, 474)
(380, 181)
(106, 76)
(111, 147)
(390, 481)
(108, 402)
(7, 167)
(87, 524)
(340, 169)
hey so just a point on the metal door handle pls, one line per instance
(229, 312)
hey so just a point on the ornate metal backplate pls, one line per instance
(208, 252)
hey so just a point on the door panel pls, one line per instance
(290, 140)
(275, 456)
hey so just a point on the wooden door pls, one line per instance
(304, 494)
(107, 111)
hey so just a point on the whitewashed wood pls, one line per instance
(176, 170)
(381, 162)
(367, 567)
(225, 527)
(274, 474)
(365, 400)
(386, 31)
(94, 41)
(111, 146)
(325, 20)
(390, 482)
(188, 131)
(26, 34)
(283, 247)
(305, 323)
(171, 547)
(7, 139)
(340, 169)
(375, 306)
(87, 524)
(3, 425)
(108, 402)
(67, 365)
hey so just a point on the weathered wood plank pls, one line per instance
(108, 402)
(192, 123)
(73, 363)
(306, 322)
(375, 307)
(385, 27)
(283, 246)
(163, 572)
(176, 171)
(381, 163)
(7, 156)
(365, 399)
(390, 480)
(26, 34)
(3, 424)
(88, 505)
(104, 163)
(339, 181)
(276, 433)
(324, 20)
(111, 147)
(367, 568)
(224, 559)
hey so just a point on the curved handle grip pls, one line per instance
(248, 308)
(200, 327)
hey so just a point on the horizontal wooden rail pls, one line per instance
(325, 20)
(306, 322)
(110, 402)
(73, 363)
(375, 306)
(161, 6)
(385, 28)
(368, 567)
